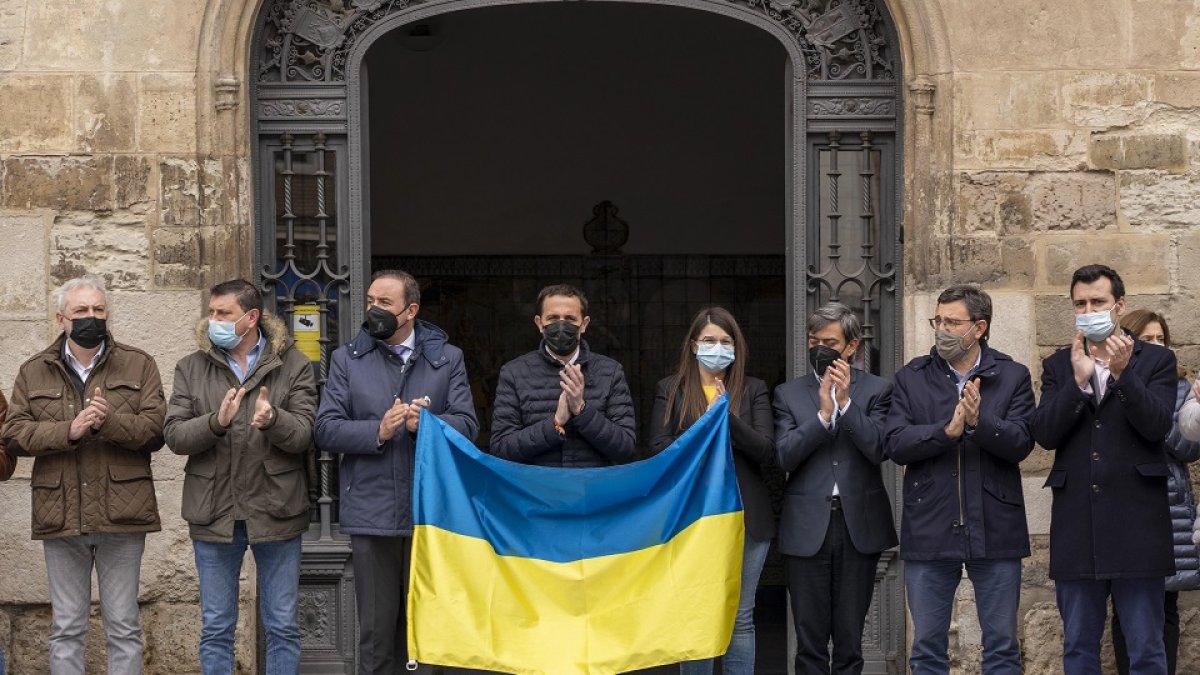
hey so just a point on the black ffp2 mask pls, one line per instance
(562, 337)
(88, 332)
(381, 324)
(821, 357)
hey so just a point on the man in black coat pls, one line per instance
(837, 518)
(1106, 408)
(563, 404)
(959, 424)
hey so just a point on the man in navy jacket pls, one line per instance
(369, 413)
(1106, 409)
(959, 423)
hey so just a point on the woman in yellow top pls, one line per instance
(712, 362)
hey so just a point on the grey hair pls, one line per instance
(836, 312)
(86, 281)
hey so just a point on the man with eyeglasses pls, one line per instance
(959, 424)
(563, 404)
(1107, 404)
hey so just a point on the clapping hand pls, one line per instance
(229, 406)
(392, 420)
(264, 412)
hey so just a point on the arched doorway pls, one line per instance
(321, 68)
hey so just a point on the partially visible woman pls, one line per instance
(712, 362)
(8, 464)
(1151, 327)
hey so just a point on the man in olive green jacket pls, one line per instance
(90, 411)
(242, 411)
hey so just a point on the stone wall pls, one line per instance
(1040, 135)
(100, 172)
(1075, 138)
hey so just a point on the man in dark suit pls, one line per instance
(837, 519)
(1106, 408)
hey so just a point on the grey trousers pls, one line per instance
(118, 562)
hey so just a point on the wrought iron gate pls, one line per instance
(313, 254)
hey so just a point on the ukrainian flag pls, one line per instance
(528, 569)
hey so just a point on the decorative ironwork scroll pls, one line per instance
(310, 40)
(849, 217)
(304, 280)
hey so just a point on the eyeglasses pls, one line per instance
(953, 324)
(713, 342)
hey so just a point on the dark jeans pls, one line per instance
(931, 585)
(1083, 605)
(831, 594)
(1170, 635)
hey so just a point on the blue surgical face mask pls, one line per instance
(714, 359)
(224, 333)
(1096, 325)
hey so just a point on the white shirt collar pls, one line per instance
(80, 369)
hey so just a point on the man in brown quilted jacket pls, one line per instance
(90, 411)
(8, 463)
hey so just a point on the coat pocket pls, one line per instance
(49, 501)
(130, 495)
(199, 488)
(287, 495)
(123, 395)
(1005, 494)
(1154, 470)
(918, 488)
(1057, 479)
(48, 404)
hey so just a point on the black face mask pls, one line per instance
(381, 324)
(821, 357)
(88, 332)
(562, 337)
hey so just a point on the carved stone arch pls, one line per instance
(279, 81)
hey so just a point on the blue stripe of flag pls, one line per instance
(562, 514)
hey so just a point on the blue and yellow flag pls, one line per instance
(528, 569)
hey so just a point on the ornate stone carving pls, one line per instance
(852, 106)
(309, 40)
(923, 90)
(226, 91)
(314, 606)
(308, 107)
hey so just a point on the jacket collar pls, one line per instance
(55, 351)
(273, 327)
(585, 354)
(429, 343)
(989, 360)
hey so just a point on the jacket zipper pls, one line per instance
(962, 521)
(71, 418)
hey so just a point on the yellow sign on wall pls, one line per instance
(306, 329)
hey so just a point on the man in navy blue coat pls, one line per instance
(1106, 409)
(959, 424)
(369, 413)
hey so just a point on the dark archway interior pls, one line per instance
(493, 134)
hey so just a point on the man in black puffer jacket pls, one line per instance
(562, 404)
